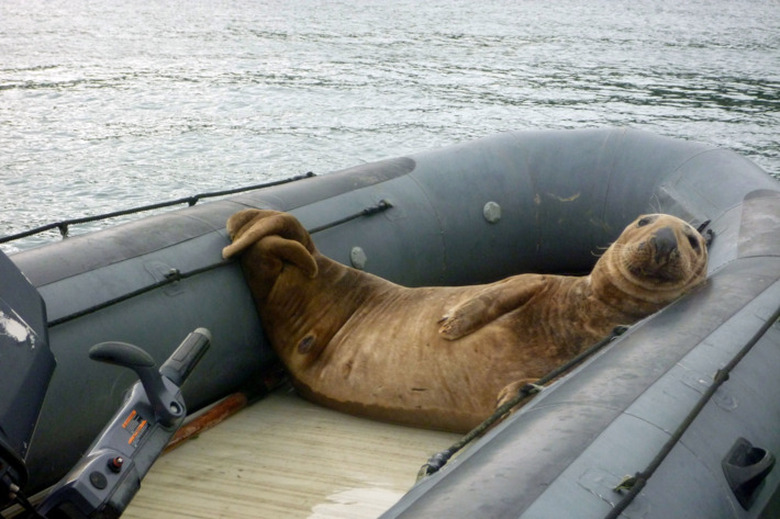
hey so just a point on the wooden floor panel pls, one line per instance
(286, 458)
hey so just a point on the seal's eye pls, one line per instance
(644, 221)
(693, 241)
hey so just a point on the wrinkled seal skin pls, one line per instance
(440, 357)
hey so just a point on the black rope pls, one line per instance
(64, 226)
(438, 460)
(174, 275)
(634, 484)
(383, 205)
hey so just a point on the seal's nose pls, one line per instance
(665, 243)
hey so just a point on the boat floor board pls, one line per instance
(285, 457)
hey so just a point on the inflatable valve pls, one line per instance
(107, 477)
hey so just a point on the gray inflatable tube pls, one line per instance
(476, 212)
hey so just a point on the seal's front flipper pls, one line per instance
(489, 304)
(465, 318)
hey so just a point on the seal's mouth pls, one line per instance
(663, 274)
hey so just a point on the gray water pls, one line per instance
(110, 104)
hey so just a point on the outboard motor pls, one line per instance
(26, 366)
(102, 483)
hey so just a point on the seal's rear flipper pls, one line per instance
(252, 225)
(278, 251)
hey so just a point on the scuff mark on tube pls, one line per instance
(14, 327)
(571, 198)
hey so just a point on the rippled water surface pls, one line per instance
(108, 105)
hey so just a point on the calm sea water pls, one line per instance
(110, 104)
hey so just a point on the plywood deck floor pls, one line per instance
(283, 457)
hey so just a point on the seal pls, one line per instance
(440, 357)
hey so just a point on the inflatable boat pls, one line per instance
(677, 417)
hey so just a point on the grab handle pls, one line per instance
(179, 366)
(745, 468)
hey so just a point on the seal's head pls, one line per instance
(656, 259)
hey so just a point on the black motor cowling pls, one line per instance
(26, 366)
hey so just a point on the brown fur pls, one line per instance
(438, 357)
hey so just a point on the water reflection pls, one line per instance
(136, 102)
